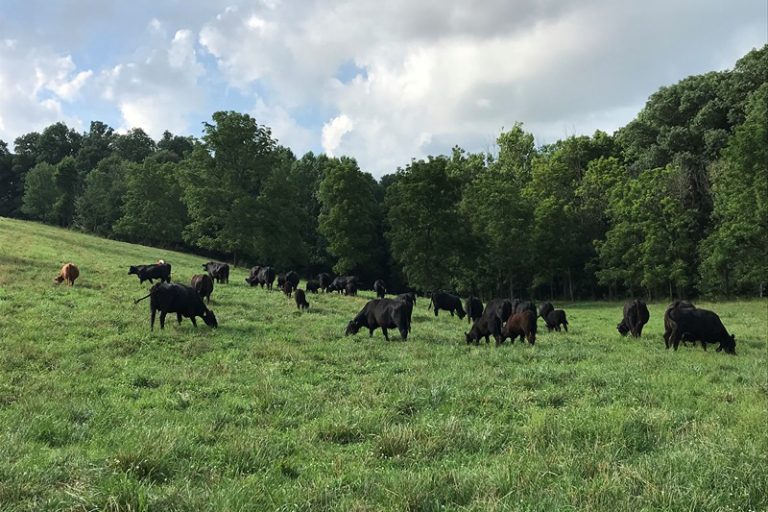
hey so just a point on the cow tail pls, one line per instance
(141, 299)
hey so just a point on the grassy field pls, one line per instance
(277, 410)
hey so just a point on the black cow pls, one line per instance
(544, 309)
(668, 324)
(280, 281)
(380, 288)
(263, 276)
(351, 288)
(474, 307)
(518, 306)
(491, 322)
(301, 299)
(448, 302)
(218, 271)
(179, 299)
(312, 286)
(293, 277)
(339, 284)
(409, 299)
(636, 315)
(702, 325)
(161, 271)
(203, 284)
(325, 280)
(384, 313)
(555, 319)
(288, 288)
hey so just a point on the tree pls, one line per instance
(95, 146)
(424, 223)
(350, 218)
(179, 146)
(11, 183)
(40, 193)
(153, 211)
(56, 142)
(735, 255)
(99, 206)
(67, 186)
(134, 146)
(306, 174)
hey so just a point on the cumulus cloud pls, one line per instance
(334, 131)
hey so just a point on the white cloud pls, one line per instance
(334, 131)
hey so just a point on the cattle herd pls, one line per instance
(499, 318)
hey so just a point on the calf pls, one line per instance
(203, 284)
(280, 281)
(701, 325)
(179, 299)
(384, 313)
(288, 288)
(69, 272)
(312, 286)
(293, 277)
(555, 319)
(520, 325)
(218, 271)
(474, 308)
(636, 315)
(161, 271)
(379, 288)
(448, 302)
(324, 280)
(301, 299)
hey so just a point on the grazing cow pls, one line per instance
(636, 315)
(203, 284)
(520, 325)
(668, 324)
(280, 281)
(482, 328)
(351, 288)
(555, 319)
(324, 280)
(301, 299)
(474, 308)
(218, 271)
(293, 277)
(448, 302)
(544, 309)
(179, 299)
(312, 286)
(702, 325)
(161, 271)
(409, 300)
(69, 272)
(384, 313)
(339, 284)
(253, 276)
(288, 288)
(380, 288)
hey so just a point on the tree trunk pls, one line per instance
(570, 284)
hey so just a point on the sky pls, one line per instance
(381, 81)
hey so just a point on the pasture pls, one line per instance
(277, 410)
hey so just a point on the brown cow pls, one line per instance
(519, 325)
(69, 272)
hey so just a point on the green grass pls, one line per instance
(277, 410)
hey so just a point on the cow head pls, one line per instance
(729, 345)
(58, 279)
(468, 338)
(210, 319)
(132, 270)
(622, 328)
(352, 328)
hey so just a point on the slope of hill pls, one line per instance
(276, 409)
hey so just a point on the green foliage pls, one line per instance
(57, 142)
(179, 146)
(67, 184)
(350, 218)
(735, 255)
(134, 146)
(100, 204)
(11, 183)
(40, 193)
(96, 145)
(153, 211)
(424, 224)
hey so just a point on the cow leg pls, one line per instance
(162, 319)
(435, 310)
(384, 330)
(487, 340)
(178, 318)
(370, 332)
(152, 319)
(451, 312)
(674, 338)
(194, 322)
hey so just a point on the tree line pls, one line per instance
(674, 204)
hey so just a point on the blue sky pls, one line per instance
(383, 82)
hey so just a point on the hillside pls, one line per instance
(276, 409)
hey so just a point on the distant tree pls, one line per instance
(40, 193)
(99, 206)
(67, 186)
(306, 174)
(180, 146)
(134, 146)
(350, 218)
(424, 223)
(95, 146)
(56, 142)
(735, 255)
(153, 211)
(11, 184)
